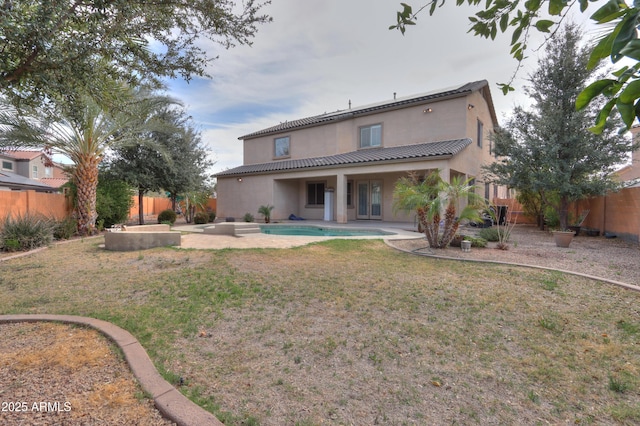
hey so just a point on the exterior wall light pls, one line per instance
(427, 110)
(470, 107)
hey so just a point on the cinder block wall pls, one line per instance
(21, 202)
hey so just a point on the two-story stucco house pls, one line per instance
(20, 169)
(343, 166)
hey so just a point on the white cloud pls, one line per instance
(317, 55)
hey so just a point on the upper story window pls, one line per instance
(7, 165)
(34, 172)
(281, 147)
(48, 172)
(480, 132)
(371, 136)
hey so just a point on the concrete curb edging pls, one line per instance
(523, 265)
(168, 400)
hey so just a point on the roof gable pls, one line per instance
(361, 157)
(464, 90)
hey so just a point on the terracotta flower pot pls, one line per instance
(563, 238)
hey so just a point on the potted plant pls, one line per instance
(563, 238)
(266, 212)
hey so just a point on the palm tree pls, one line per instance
(266, 212)
(83, 137)
(430, 197)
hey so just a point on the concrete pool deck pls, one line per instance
(195, 238)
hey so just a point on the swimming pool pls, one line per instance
(319, 231)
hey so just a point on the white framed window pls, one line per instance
(371, 136)
(34, 172)
(7, 165)
(281, 147)
(48, 172)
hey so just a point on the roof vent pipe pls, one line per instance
(394, 96)
(349, 103)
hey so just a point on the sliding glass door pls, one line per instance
(369, 199)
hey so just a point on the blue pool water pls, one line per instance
(318, 231)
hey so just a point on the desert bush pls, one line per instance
(489, 234)
(212, 217)
(167, 216)
(26, 232)
(113, 201)
(477, 241)
(248, 217)
(200, 218)
(65, 228)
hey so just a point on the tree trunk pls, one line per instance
(564, 213)
(86, 179)
(140, 206)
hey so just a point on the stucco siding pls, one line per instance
(400, 127)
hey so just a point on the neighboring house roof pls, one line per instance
(350, 113)
(364, 156)
(16, 181)
(54, 182)
(23, 155)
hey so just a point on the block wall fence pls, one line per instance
(154, 205)
(618, 213)
(59, 206)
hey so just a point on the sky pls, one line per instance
(317, 55)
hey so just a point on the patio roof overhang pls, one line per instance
(375, 156)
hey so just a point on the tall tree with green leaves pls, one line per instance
(189, 162)
(140, 165)
(60, 50)
(172, 159)
(84, 137)
(548, 149)
(618, 20)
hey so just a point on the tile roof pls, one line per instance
(22, 155)
(54, 182)
(372, 155)
(340, 115)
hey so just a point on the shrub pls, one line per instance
(248, 217)
(489, 234)
(212, 217)
(26, 232)
(477, 242)
(113, 201)
(200, 218)
(167, 216)
(65, 228)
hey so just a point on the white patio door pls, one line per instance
(369, 200)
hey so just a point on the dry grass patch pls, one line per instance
(64, 374)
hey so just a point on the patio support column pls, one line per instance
(341, 198)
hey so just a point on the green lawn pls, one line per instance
(353, 332)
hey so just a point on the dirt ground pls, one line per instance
(611, 258)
